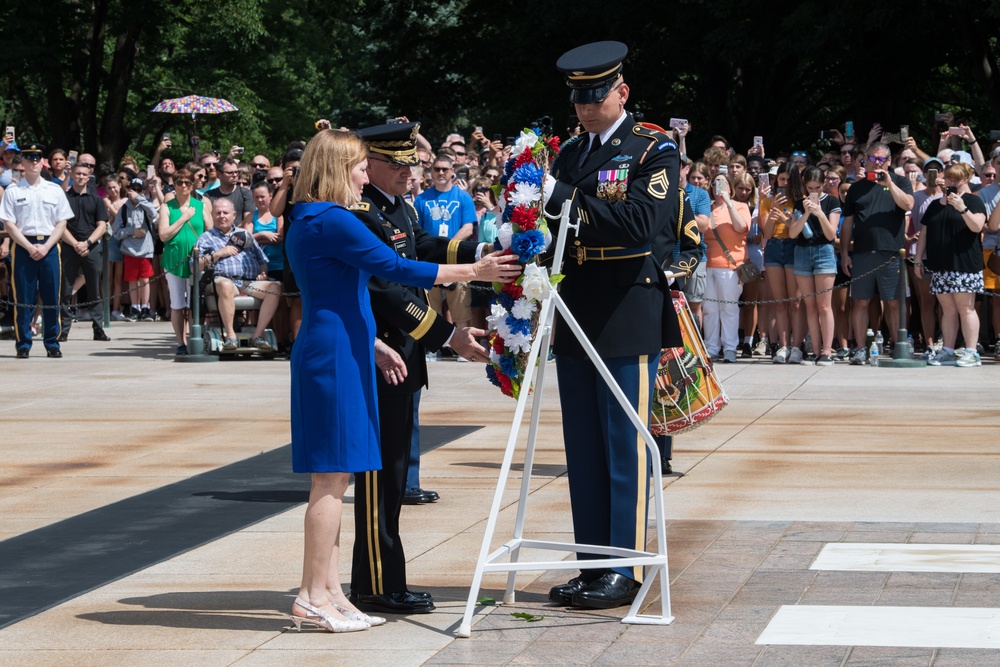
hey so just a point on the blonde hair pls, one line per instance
(746, 180)
(958, 171)
(325, 170)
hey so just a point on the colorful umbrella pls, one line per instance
(194, 104)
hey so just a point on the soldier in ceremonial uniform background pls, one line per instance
(34, 213)
(407, 325)
(621, 179)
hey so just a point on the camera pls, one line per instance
(295, 172)
(543, 125)
(393, 121)
(951, 190)
(238, 150)
(874, 176)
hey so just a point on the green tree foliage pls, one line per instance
(92, 69)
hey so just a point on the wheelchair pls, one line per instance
(215, 336)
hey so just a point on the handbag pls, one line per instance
(747, 272)
(993, 262)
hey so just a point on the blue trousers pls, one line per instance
(31, 279)
(607, 460)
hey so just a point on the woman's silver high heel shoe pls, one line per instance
(322, 619)
(358, 615)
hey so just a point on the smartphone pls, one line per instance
(497, 136)
(814, 196)
(825, 134)
(10, 131)
(758, 141)
(955, 131)
(951, 190)
(393, 121)
(721, 184)
(71, 158)
(932, 175)
(780, 191)
(942, 117)
(904, 132)
(994, 135)
(479, 129)
(150, 171)
(510, 141)
(166, 136)
(723, 168)
(765, 181)
(678, 123)
(849, 129)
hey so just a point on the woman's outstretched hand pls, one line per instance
(389, 363)
(497, 267)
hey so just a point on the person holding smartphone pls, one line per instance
(950, 234)
(814, 229)
(779, 260)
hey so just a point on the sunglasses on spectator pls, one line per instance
(457, 154)
(88, 165)
(878, 160)
(988, 175)
(200, 176)
(210, 165)
(480, 189)
(275, 180)
(184, 182)
(847, 152)
(259, 165)
(798, 154)
(442, 169)
(425, 163)
(833, 179)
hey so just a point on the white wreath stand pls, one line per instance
(655, 563)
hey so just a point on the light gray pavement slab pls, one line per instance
(802, 457)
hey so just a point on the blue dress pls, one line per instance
(334, 410)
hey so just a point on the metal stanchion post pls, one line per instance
(196, 342)
(902, 354)
(105, 278)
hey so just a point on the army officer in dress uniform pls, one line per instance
(407, 325)
(621, 179)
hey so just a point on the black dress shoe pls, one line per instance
(415, 497)
(432, 496)
(63, 337)
(54, 352)
(393, 603)
(420, 594)
(100, 335)
(22, 353)
(665, 466)
(563, 593)
(611, 590)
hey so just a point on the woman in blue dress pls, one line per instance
(334, 409)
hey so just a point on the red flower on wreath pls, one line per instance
(505, 385)
(553, 144)
(515, 291)
(525, 218)
(524, 158)
(497, 343)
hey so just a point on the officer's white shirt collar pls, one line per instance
(606, 134)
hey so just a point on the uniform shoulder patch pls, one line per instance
(652, 135)
(572, 140)
(361, 206)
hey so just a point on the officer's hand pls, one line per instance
(464, 342)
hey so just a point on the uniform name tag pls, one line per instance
(612, 184)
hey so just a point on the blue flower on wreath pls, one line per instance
(508, 212)
(491, 374)
(506, 300)
(529, 173)
(509, 366)
(508, 169)
(527, 245)
(519, 326)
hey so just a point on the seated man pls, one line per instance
(240, 268)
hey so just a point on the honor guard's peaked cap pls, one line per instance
(591, 70)
(397, 142)
(32, 151)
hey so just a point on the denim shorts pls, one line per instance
(814, 260)
(779, 252)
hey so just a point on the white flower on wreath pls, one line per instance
(503, 329)
(528, 139)
(518, 342)
(495, 358)
(525, 194)
(497, 314)
(523, 308)
(504, 235)
(535, 282)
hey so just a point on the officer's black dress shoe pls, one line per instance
(611, 590)
(432, 496)
(665, 466)
(563, 593)
(100, 335)
(415, 497)
(22, 353)
(63, 337)
(54, 352)
(394, 603)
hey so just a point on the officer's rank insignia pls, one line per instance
(612, 184)
(659, 184)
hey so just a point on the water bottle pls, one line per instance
(807, 232)
(880, 342)
(869, 339)
(873, 354)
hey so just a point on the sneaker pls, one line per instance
(809, 360)
(182, 351)
(943, 358)
(729, 357)
(116, 316)
(969, 359)
(824, 360)
(431, 356)
(131, 315)
(842, 353)
(761, 348)
(230, 344)
(746, 352)
(262, 344)
(996, 351)
(859, 358)
(928, 354)
(795, 357)
(460, 359)
(145, 315)
(781, 356)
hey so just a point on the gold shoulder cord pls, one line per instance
(680, 215)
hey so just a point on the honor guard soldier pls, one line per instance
(406, 324)
(34, 212)
(621, 180)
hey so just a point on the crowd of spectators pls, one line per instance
(819, 224)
